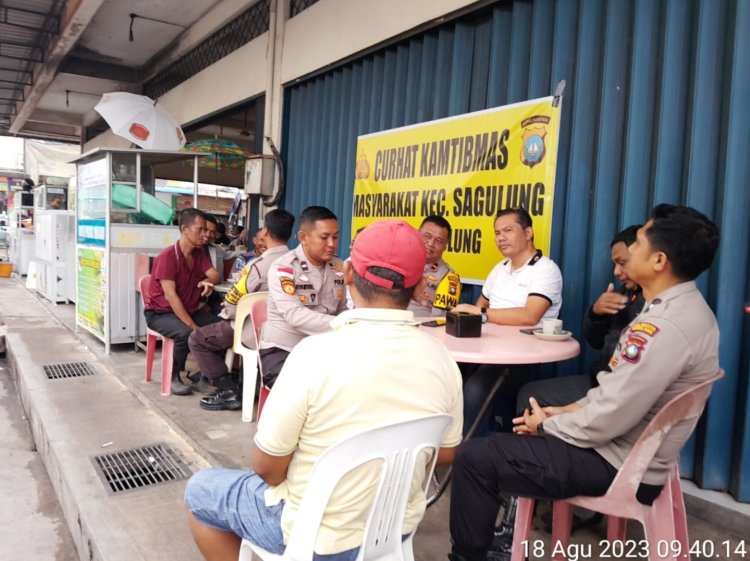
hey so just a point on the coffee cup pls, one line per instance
(552, 327)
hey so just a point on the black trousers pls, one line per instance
(528, 466)
(540, 467)
(272, 361)
(478, 381)
(169, 325)
(559, 391)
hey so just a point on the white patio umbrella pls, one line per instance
(140, 120)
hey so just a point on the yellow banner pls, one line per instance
(465, 168)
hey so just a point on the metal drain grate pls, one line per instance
(69, 370)
(141, 467)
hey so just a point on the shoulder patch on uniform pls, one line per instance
(634, 346)
(285, 272)
(645, 327)
(287, 284)
(454, 284)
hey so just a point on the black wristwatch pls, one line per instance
(540, 429)
(483, 313)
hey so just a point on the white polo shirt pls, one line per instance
(376, 367)
(540, 276)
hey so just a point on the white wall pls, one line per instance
(331, 30)
(106, 140)
(238, 76)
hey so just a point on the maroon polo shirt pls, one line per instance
(172, 265)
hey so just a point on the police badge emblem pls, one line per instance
(634, 346)
(286, 278)
(533, 148)
(362, 168)
(288, 286)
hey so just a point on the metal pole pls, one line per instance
(195, 181)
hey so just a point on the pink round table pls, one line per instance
(499, 344)
(505, 344)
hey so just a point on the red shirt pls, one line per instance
(171, 264)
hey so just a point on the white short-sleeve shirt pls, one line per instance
(540, 276)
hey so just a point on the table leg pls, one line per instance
(441, 485)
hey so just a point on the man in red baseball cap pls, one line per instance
(377, 366)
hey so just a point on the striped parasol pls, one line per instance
(223, 154)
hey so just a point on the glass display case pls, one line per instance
(51, 197)
(118, 217)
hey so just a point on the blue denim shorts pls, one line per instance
(233, 500)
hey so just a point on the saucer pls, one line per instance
(539, 334)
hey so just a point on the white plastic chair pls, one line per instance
(249, 356)
(398, 445)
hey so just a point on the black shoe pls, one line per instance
(224, 399)
(201, 385)
(502, 543)
(178, 387)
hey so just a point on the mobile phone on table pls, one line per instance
(527, 331)
(434, 323)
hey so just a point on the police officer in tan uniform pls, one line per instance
(305, 288)
(209, 345)
(561, 452)
(443, 287)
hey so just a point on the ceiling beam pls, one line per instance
(98, 69)
(52, 116)
(46, 72)
(73, 135)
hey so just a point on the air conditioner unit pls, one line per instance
(260, 175)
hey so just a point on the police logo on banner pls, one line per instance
(533, 149)
(362, 169)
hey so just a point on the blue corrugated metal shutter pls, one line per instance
(653, 112)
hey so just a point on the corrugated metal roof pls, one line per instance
(26, 28)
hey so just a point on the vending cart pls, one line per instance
(117, 217)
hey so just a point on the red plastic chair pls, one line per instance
(167, 346)
(259, 315)
(664, 522)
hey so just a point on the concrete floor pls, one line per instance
(221, 438)
(31, 520)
